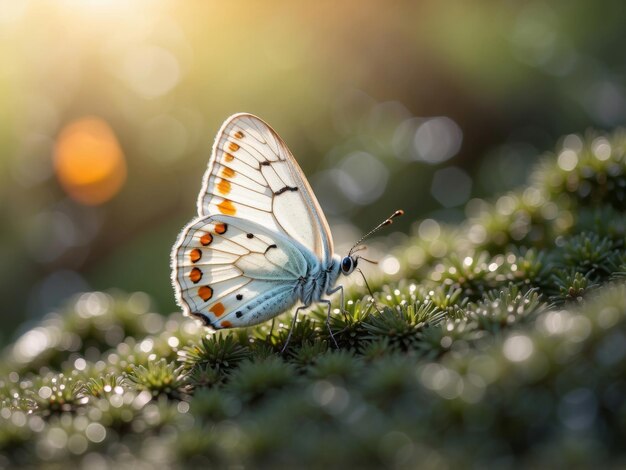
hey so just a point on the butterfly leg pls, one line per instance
(341, 305)
(293, 325)
(332, 336)
(269, 335)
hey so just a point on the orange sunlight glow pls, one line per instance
(89, 162)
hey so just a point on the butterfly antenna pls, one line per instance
(368, 289)
(384, 223)
(356, 249)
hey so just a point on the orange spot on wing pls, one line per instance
(195, 275)
(205, 293)
(206, 239)
(223, 186)
(227, 207)
(220, 228)
(228, 172)
(226, 324)
(239, 134)
(228, 157)
(195, 255)
(217, 309)
(233, 147)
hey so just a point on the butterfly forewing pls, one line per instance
(253, 176)
(234, 272)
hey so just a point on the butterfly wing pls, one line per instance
(253, 176)
(233, 272)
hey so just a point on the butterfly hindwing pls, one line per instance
(232, 272)
(253, 176)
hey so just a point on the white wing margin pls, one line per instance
(252, 175)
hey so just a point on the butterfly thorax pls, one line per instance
(314, 286)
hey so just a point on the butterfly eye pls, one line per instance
(346, 265)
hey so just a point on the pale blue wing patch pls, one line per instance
(223, 265)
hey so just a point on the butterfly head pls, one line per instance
(348, 264)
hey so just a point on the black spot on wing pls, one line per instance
(270, 247)
(286, 188)
(238, 314)
(239, 296)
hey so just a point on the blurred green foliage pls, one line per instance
(502, 344)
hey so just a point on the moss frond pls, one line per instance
(159, 378)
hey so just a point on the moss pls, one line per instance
(501, 340)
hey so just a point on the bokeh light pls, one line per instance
(89, 162)
(437, 140)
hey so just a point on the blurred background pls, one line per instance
(109, 109)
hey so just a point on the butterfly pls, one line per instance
(260, 243)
